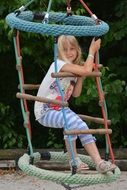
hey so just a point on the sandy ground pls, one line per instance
(20, 181)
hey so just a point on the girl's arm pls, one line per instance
(94, 47)
(81, 70)
(78, 87)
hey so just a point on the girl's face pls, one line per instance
(70, 52)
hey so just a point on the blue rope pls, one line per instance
(63, 110)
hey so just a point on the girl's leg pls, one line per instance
(101, 165)
(54, 119)
(80, 165)
(92, 150)
(88, 141)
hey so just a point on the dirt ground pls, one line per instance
(20, 181)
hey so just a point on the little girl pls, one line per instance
(50, 115)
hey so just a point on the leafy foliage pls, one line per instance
(8, 137)
(52, 141)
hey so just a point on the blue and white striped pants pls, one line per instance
(54, 119)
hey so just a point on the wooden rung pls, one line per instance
(88, 131)
(41, 99)
(94, 119)
(66, 74)
(29, 86)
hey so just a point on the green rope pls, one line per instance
(20, 79)
(29, 3)
(46, 18)
(49, 6)
(105, 108)
(18, 63)
(29, 142)
(66, 178)
(23, 7)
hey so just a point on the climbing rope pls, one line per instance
(24, 107)
(102, 103)
(46, 18)
(74, 166)
(23, 7)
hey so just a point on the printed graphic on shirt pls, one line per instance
(67, 88)
(48, 91)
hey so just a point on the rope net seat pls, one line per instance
(56, 24)
(68, 25)
(66, 178)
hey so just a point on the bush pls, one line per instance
(8, 137)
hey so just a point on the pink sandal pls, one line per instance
(105, 166)
(80, 165)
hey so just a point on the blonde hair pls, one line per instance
(62, 44)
